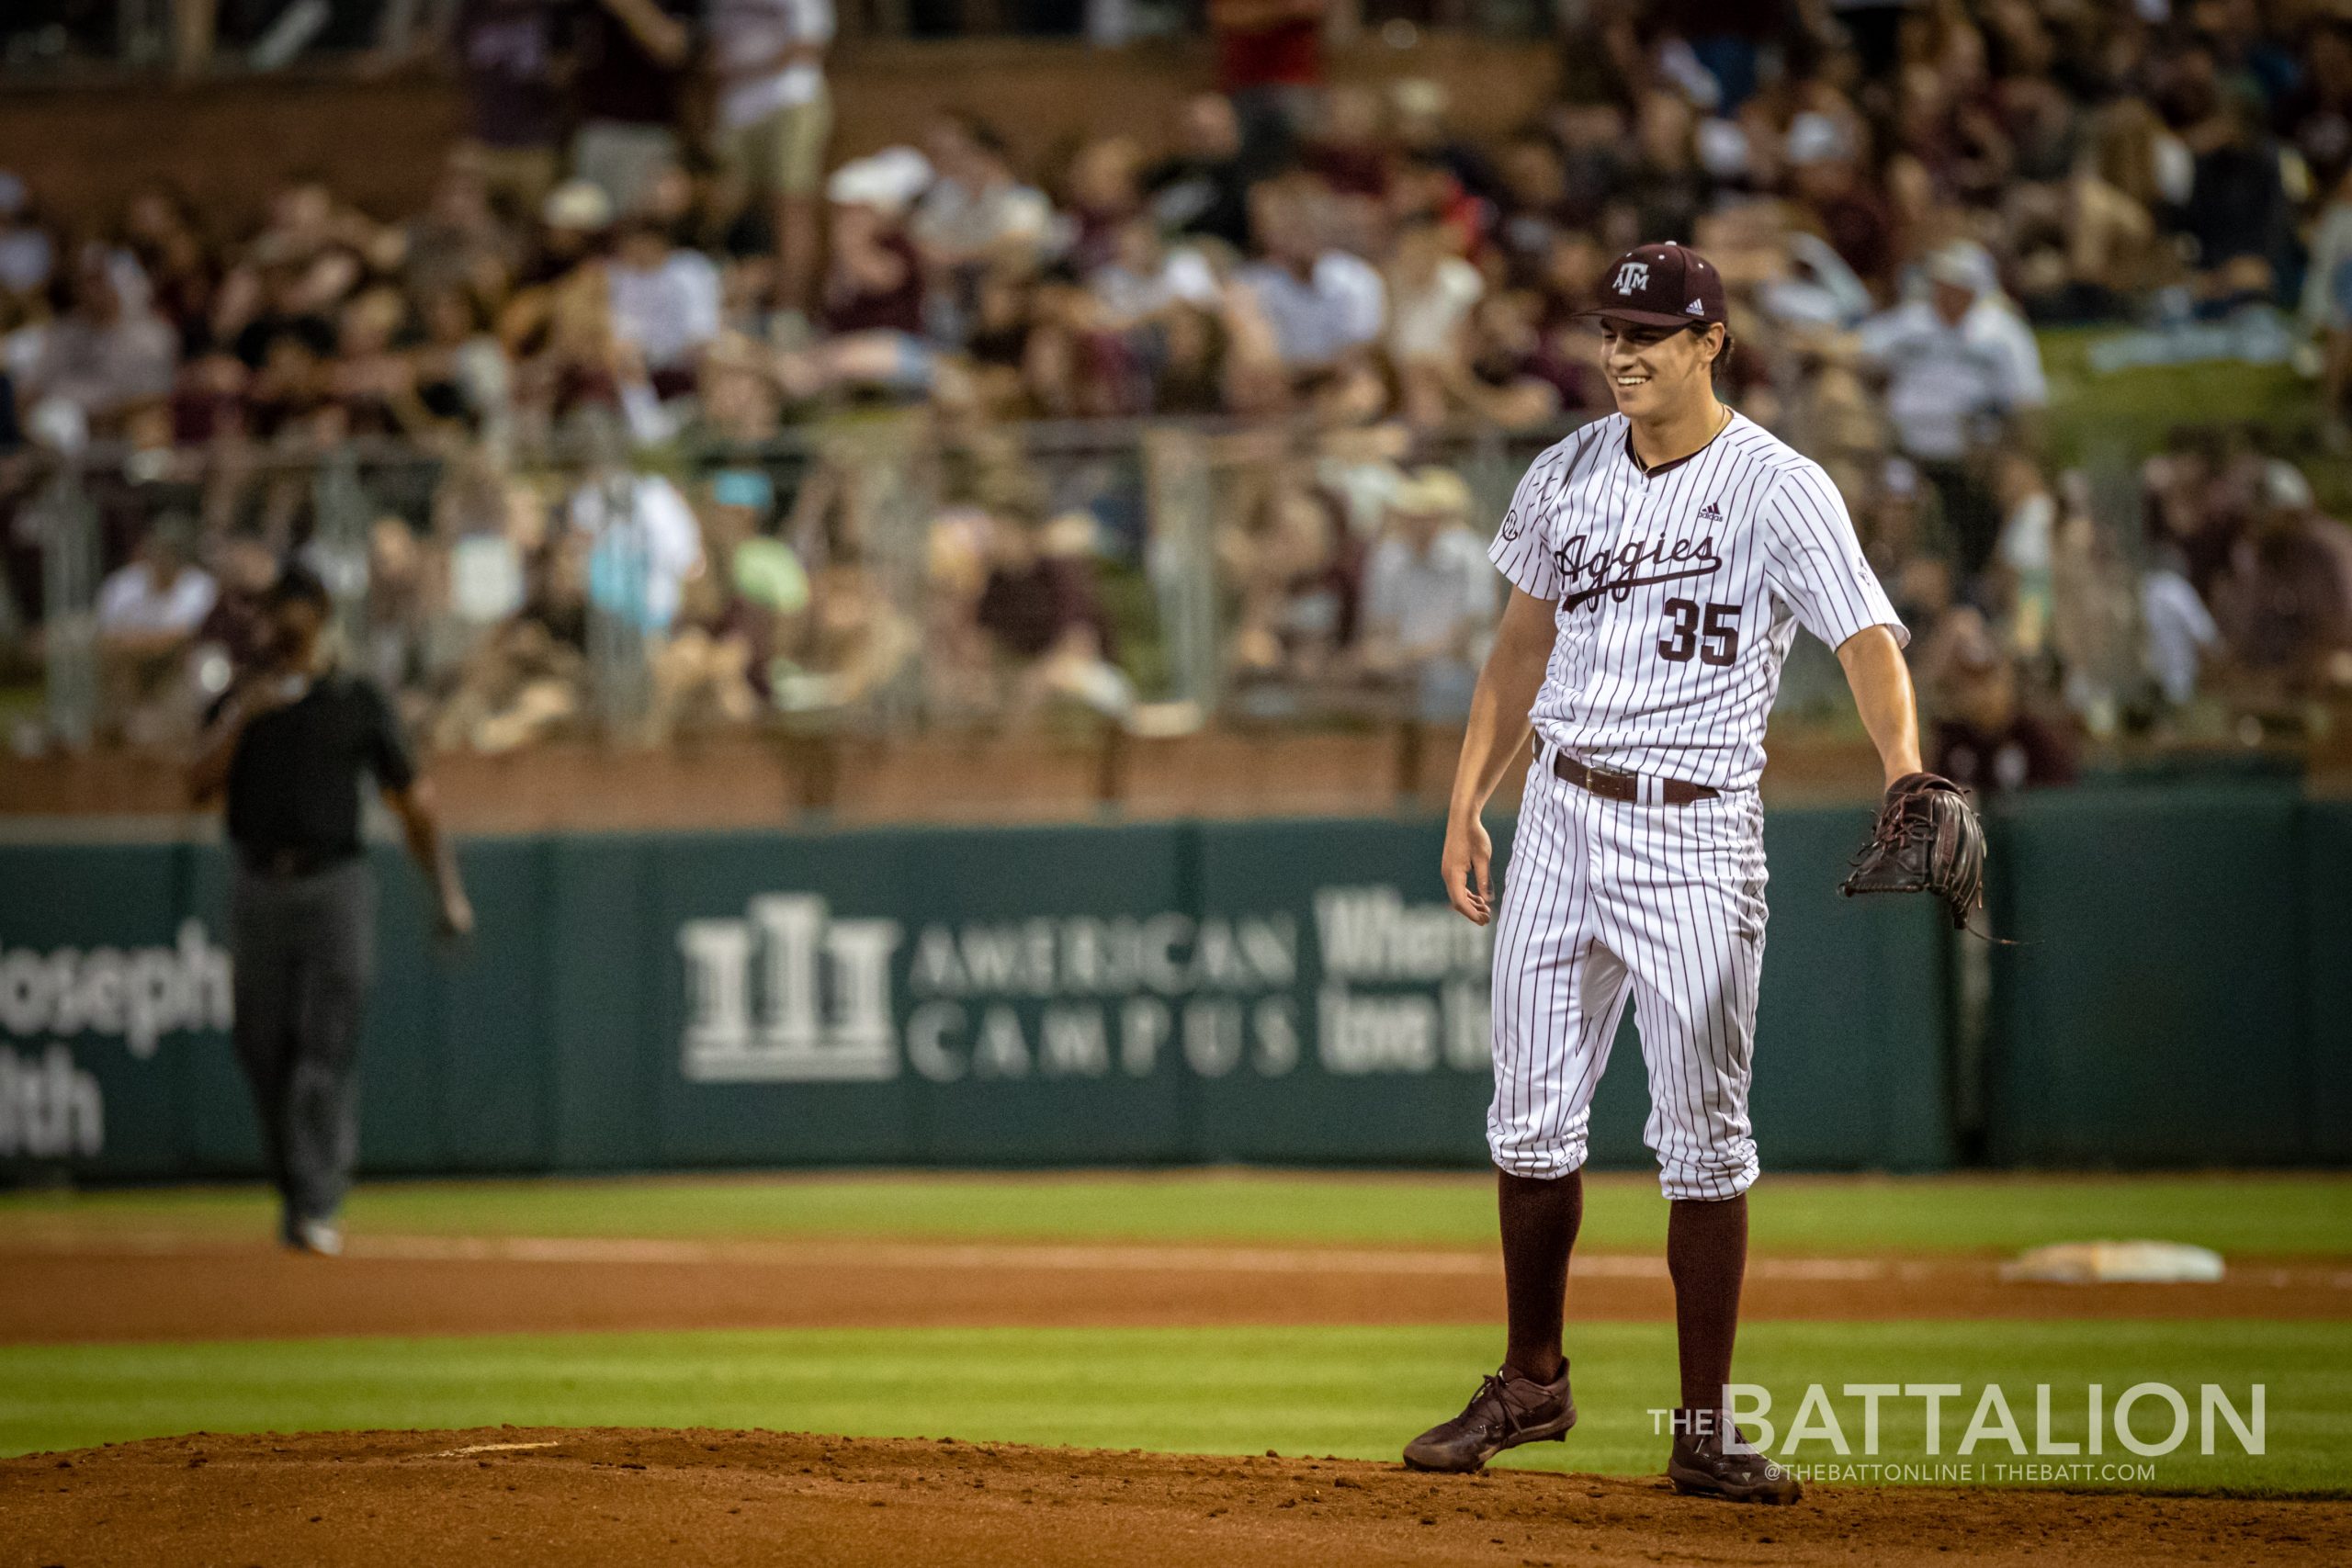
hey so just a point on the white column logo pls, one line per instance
(788, 995)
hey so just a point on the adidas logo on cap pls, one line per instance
(1695, 309)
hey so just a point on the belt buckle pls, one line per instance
(1618, 786)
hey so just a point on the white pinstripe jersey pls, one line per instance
(1678, 592)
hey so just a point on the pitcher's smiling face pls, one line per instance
(1652, 369)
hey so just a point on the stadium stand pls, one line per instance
(654, 419)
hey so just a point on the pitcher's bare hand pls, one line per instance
(1469, 852)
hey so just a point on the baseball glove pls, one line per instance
(1927, 839)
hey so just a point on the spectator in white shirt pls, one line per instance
(159, 598)
(109, 352)
(148, 614)
(775, 117)
(1429, 599)
(665, 304)
(1962, 369)
(1432, 292)
(1320, 303)
(1145, 278)
(639, 564)
(2029, 525)
(1957, 360)
(28, 253)
(976, 212)
(2180, 632)
(1303, 318)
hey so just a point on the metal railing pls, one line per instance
(883, 574)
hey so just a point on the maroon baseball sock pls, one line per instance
(1706, 1251)
(1539, 1222)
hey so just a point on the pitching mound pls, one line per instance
(550, 1497)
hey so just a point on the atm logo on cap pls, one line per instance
(1633, 277)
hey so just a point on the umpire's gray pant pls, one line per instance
(305, 948)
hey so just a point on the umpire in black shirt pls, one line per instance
(289, 743)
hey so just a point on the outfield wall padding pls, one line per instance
(2156, 1008)
(1280, 991)
(2327, 882)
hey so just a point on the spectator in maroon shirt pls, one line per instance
(1104, 191)
(1036, 600)
(1040, 609)
(874, 281)
(871, 303)
(162, 227)
(1516, 372)
(1269, 61)
(1825, 174)
(2284, 603)
(633, 61)
(237, 627)
(1347, 150)
(513, 60)
(1983, 739)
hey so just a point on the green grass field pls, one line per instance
(1356, 1392)
(2239, 1215)
(1353, 1391)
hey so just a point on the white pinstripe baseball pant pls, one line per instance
(1598, 893)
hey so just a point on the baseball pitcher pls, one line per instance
(1661, 561)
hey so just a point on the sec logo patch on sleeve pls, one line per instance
(1512, 526)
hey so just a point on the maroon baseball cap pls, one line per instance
(1661, 285)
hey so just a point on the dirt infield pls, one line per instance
(535, 1497)
(173, 1287)
(546, 1497)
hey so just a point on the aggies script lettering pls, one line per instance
(1619, 571)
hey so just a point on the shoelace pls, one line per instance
(1493, 1385)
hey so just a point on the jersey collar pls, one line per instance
(1673, 463)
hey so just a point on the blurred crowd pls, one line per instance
(646, 249)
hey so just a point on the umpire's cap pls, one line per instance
(1661, 285)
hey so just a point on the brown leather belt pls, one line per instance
(1627, 787)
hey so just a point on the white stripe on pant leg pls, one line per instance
(1675, 899)
(1589, 1003)
(1528, 939)
(1589, 1027)
(1712, 1154)
(1555, 995)
(1531, 883)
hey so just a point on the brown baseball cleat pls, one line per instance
(1700, 1468)
(1505, 1412)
